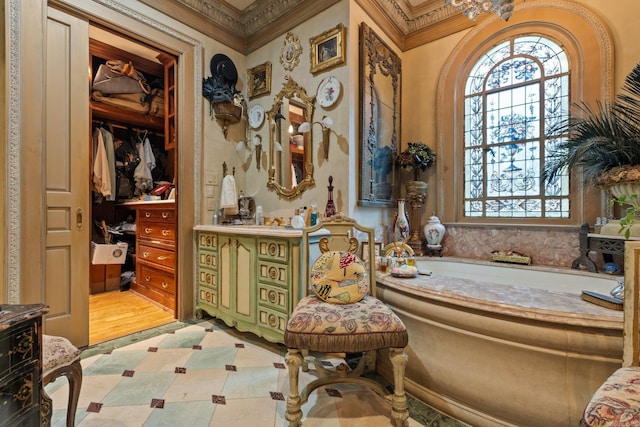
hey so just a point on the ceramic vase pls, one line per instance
(401, 223)
(434, 232)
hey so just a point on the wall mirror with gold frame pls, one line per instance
(380, 88)
(290, 151)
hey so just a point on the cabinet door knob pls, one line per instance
(147, 278)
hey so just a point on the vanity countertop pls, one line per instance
(255, 230)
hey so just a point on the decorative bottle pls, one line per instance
(401, 223)
(330, 209)
(434, 232)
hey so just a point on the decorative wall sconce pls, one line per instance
(227, 113)
(257, 145)
(326, 124)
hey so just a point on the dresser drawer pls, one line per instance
(20, 394)
(17, 348)
(208, 259)
(156, 214)
(207, 277)
(273, 250)
(274, 273)
(207, 297)
(208, 241)
(272, 320)
(153, 277)
(273, 297)
(157, 230)
(163, 257)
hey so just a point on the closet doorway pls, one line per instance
(133, 268)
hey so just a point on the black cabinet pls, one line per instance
(21, 400)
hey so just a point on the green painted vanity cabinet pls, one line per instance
(249, 281)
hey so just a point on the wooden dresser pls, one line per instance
(21, 398)
(249, 277)
(156, 252)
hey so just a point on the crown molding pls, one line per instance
(406, 25)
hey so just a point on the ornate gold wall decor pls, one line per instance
(290, 56)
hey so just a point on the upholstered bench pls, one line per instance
(60, 357)
(616, 402)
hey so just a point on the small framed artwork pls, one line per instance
(377, 250)
(328, 49)
(259, 79)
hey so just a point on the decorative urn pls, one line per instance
(434, 232)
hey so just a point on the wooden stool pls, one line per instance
(60, 357)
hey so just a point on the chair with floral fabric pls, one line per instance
(616, 403)
(342, 317)
(61, 358)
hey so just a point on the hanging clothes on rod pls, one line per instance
(101, 180)
(142, 175)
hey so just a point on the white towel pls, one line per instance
(229, 196)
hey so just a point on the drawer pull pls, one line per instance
(148, 230)
(165, 285)
(162, 258)
(272, 297)
(147, 278)
(165, 215)
(272, 249)
(165, 232)
(146, 254)
(273, 321)
(147, 214)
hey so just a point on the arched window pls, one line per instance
(515, 98)
(502, 93)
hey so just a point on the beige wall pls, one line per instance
(340, 151)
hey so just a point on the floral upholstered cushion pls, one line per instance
(616, 402)
(57, 352)
(339, 278)
(362, 326)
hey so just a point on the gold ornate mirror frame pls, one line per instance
(290, 89)
(380, 117)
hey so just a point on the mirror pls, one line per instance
(380, 85)
(290, 152)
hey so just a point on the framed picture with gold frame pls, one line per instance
(328, 49)
(259, 80)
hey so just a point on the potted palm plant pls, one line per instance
(417, 157)
(605, 143)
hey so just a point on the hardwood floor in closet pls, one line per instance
(115, 314)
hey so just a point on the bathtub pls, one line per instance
(496, 344)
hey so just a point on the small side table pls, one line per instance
(607, 245)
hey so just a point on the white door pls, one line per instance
(67, 158)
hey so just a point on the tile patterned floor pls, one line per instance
(207, 374)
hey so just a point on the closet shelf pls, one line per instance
(108, 112)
